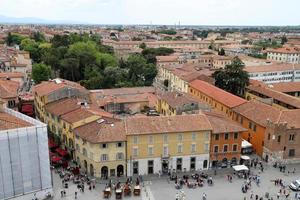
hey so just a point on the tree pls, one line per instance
(14, 39)
(38, 37)
(221, 52)
(32, 47)
(140, 72)
(41, 72)
(168, 32)
(143, 45)
(70, 69)
(232, 78)
(283, 40)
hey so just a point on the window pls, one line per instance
(235, 135)
(217, 137)
(120, 156)
(11, 103)
(179, 148)
(135, 151)
(91, 155)
(179, 164)
(193, 136)
(179, 137)
(150, 151)
(234, 147)
(206, 148)
(269, 136)
(193, 163)
(291, 152)
(225, 148)
(119, 144)
(135, 139)
(216, 149)
(150, 139)
(150, 166)
(291, 137)
(226, 136)
(241, 120)
(166, 151)
(278, 138)
(135, 167)
(250, 125)
(104, 157)
(165, 138)
(104, 146)
(193, 148)
(254, 127)
(77, 147)
(84, 152)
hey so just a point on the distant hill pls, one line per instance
(31, 20)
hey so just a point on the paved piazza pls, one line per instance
(156, 188)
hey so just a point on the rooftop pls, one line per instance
(167, 124)
(285, 86)
(8, 89)
(47, 87)
(272, 68)
(8, 121)
(175, 99)
(217, 94)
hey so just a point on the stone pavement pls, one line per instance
(162, 189)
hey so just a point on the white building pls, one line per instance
(24, 157)
(275, 73)
(285, 55)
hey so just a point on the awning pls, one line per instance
(55, 159)
(52, 144)
(240, 168)
(61, 152)
(245, 157)
(246, 144)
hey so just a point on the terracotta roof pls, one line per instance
(11, 75)
(285, 50)
(8, 88)
(122, 91)
(63, 106)
(222, 124)
(258, 112)
(102, 131)
(285, 86)
(47, 87)
(166, 124)
(167, 58)
(217, 94)
(8, 121)
(77, 115)
(292, 117)
(267, 91)
(175, 99)
(272, 68)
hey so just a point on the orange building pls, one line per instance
(226, 140)
(254, 116)
(217, 98)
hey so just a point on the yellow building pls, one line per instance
(167, 143)
(50, 91)
(64, 115)
(217, 98)
(101, 147)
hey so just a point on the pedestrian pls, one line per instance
(204, 196)
(296, 195)
(75, 194)
(278, 195)
(251, 195)
(256, 197)
(61, 193)
(65, 193)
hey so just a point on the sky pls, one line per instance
(188, 12)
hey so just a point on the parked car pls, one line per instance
(295, 185)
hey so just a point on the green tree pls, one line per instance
(143, 45)
(38, 37)
(70, 69)
(232, 78)
(32, 47)
(283, 40)
(41, 72)
(14, 39)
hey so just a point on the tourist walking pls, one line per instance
(204, 196)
